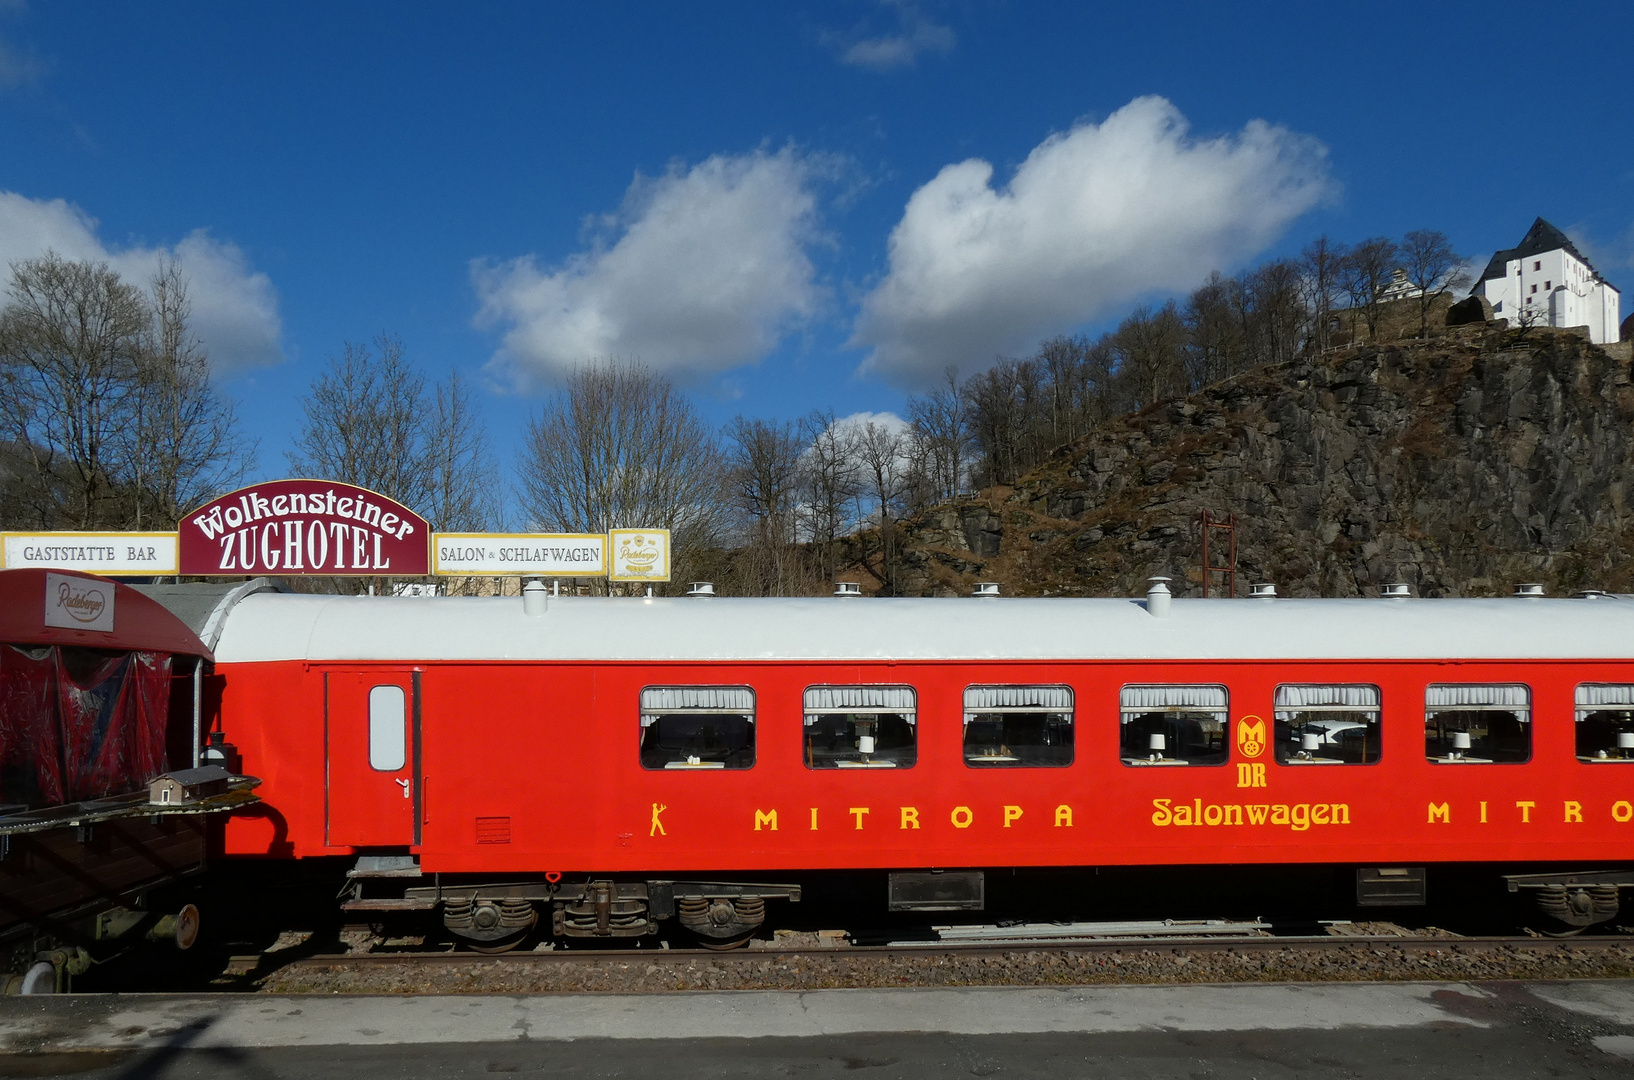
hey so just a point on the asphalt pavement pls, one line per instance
(1486, 1030)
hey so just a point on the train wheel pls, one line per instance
(717, 945)
(494, 948)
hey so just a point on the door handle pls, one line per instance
(405, 784)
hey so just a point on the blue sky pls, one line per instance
(784, 206)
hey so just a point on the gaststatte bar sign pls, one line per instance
(304, 527)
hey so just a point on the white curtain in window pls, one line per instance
(663, 699)
(1477, 696)
(1137, 698)
(1310, 696)
(1018, 698)
(843, 699)
(1605, 695)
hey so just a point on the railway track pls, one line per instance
(1120, 945)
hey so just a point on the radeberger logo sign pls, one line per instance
(75, 603)
(304, 527)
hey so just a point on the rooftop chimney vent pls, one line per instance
(535, 597)
(847, 588)
(1266, 591)
(701, 588)
(1157, 597)
(1396, 591)
(985, 588)
(1529, 589)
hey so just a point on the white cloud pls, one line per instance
(18, 67)
(915, 35)
(857, 421)
(705, 271)
(235, 309)
(1094, 218)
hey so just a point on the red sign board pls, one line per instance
(299, 527)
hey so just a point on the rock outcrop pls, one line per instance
(1459, 466)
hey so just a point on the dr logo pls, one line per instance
(1251, 736)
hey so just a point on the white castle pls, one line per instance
(1546, 281)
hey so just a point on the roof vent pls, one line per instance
(985, 588)
(847, 588)
(1266, 591)
(1157, 597)
(1529, 589)
(1396, 591)
(1593, 594)
(535, 597)
(701, 588)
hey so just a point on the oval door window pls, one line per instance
(387, 729)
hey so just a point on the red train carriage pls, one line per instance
(590, 758)
(98, 699)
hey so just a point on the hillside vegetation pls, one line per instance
(1460, 465)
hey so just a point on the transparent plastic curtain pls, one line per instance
(80, 724)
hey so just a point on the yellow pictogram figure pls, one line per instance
(657, 826)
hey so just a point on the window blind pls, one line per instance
(1143, 698)
(1477, 696)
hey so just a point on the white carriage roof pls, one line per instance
(273, 626)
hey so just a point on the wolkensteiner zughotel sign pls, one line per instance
(304, 527)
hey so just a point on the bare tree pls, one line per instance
(940, 425)
(110, 419)
(365, 423)
(371, 420)
(71, 344)
(1321, 262)
(1215, 346)
(1365, 272)
(1151, 358)
(617, 446)
(831, 482)
(1433, 268)
(882, 458)
(182, 445)
(764, 474)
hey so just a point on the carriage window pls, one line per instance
(1327, 725)
(861, 727)
(1605, 722)
(1173, 725)
(697, 727)
(1018, 726)
(388, 729)
(1473, 724)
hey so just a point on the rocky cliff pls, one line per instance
(1460, 466)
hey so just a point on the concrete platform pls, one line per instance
(1337, 1029)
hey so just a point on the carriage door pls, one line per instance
(371, 730)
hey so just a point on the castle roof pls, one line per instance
(1541, 237)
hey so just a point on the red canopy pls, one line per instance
(31, 601)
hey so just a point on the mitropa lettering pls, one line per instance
(1295, 816)
(304, 527)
